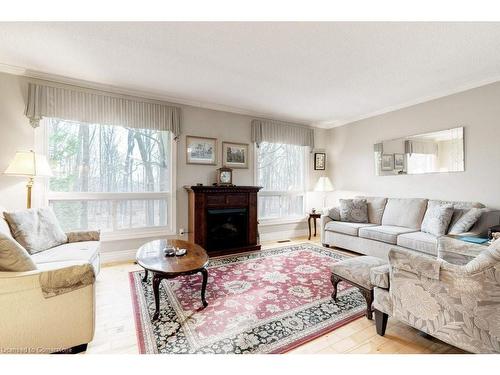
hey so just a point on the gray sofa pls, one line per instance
(396, 223)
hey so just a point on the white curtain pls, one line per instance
(282, 132)
(92, 106)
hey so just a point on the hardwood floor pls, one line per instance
(115, 326)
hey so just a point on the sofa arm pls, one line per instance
(86, 235)
(324, 219)
(418, 264)
(31, 323)
(379, 276)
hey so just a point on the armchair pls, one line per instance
(458, 304)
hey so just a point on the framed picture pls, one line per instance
(201, 150)
(235, 155)
(319, 161)
(387, 162)
(399, 162)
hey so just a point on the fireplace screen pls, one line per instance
(226, 228)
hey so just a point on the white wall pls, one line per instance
(350, 149)
(17, 134)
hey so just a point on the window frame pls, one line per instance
(42, 146)
(269, 193)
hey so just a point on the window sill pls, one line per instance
(278, 221)
(136, 234)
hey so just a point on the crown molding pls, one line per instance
(171, 99)
(441, 94)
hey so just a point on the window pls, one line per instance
(281, 172)
(110, 177)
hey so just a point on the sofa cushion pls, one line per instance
(76, 251)
(345, 227)
(466, 221)
(354, 210)
(4, 226)
(334, 213)
(36, 229)
(13, 257)
(419, 241)
(437, 218)
(384, 233)
(357, 269)
(406, 213)
(376, 206)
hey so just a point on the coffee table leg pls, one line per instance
(156, 291)
(204, 287)
(145, 278)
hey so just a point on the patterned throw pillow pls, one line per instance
(466, 221)
(36, 229)
(437, 219)
(334, 213)
(13, 257)
(354, 210)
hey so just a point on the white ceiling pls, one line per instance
(327, 74)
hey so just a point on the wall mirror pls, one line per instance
(436, 152)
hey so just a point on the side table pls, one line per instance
(312, 216)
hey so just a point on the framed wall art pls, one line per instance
(235, 155)
(201, 150)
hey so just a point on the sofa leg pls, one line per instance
(325, 245)
(381, 322)
(74, 350)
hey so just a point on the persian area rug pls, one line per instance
(260, 302)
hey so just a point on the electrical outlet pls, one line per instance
(181, 231)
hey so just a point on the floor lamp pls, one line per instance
(323, 185)
(31, 165)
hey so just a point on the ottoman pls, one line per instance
(356, 271)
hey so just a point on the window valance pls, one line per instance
(282, 132)
(92, 106)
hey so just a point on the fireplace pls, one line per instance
(223, 219)
(226, 228)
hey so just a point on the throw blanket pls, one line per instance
(67, 279)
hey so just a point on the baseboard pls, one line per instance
(283, 234)
(129, 255)
(118, 256)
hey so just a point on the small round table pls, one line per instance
(312, 216)
(150, 256)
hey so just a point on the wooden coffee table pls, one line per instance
(150, 257)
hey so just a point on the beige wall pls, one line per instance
(351, 164)
(16, 133)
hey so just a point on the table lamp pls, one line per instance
(323, 185)
(30, 164)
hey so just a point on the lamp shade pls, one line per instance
(323, 184)
(28, 163)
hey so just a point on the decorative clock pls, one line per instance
(224, 176)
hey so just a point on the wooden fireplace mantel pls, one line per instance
(204, 198)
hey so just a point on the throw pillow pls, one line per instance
(354, 210)
(466, 221)
(437, 219)
(13, 257)
(334, 213)
(36, 229)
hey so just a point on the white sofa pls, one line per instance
(31, 323)
(395, 223)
